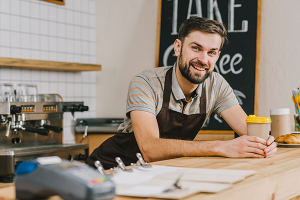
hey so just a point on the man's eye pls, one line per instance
(196, 48)
(212, 53)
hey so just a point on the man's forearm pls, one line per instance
(162, 149)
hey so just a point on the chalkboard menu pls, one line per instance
(239, 59)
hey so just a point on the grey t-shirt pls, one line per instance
(146, 93)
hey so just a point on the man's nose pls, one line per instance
(203, 58)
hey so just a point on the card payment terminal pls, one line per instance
(71, 180)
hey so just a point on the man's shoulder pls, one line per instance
(159, 72)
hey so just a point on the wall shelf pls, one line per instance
(46, 65)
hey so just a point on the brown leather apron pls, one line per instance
(172, 125)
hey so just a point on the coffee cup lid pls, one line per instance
(254, 119)
(280, 111)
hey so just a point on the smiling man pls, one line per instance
(167, 106)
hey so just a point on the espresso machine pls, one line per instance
(35, 129)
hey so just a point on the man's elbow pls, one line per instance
(148, 153)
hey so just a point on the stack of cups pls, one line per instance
(281, 122)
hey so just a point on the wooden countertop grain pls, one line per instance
(276, 178)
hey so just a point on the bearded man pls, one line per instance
(167, 106)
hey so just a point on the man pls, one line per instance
(167, 106)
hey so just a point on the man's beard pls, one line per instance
(187, 74)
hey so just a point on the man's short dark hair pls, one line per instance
(202, 24)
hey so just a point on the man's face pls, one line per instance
(198, 55)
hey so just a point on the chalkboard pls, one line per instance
(239, 60)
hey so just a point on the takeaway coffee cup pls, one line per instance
(258, 126)
(281, 122)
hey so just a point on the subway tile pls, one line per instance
(77, 5)
(69, 16)
(77, 59)
(61, 32)
(5, 21)
(92, 49)
(25, 53)
(92, 60)
(67, 119)
(85, 59)
(86, 90)
(53, 29)
(77, 18)
(62, 57)
(44, 55)
(85, 33)
(53, 44)
(45, 75)
(92, 7)
(53, 76)
(53, 88)
(53, 13)
(35, 42)
(35, 75)
(77, 47)
(92, 76)
(85, 19)
(92, 21)
(44, 28)
(92, 35)
(77, 32)
(92, 104)
(53, 56)
(69, 46)
(92, 114)
(15, 7)
(92, 91)
(44, 14)
(62, 76)
(15, 40)
(85, 77)
(70, 58)
(70, 90)
(35, 26)
(44, 43)
(34, 10)
(25, 25)
(26, 75)
(5, 6)
(15, 24)
(5, 73)
(61, 45)
(15, 74)
(45, 88)
(85, 115)
(77, 90)
(69, 77)
(77, 77)
(5, 38)
(61, 15)
(69, 5)
(25, 40)
(35, 55)
(15, 52)
(85, 48)
(85, 6)
(25, 8)
(70, 31)
(62, 90)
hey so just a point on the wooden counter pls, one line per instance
(276, 178)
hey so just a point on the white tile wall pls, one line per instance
(32, 29)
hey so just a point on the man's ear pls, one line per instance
(177, 47)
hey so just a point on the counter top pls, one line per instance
(276, 178)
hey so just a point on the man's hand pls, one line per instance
(272, 147)
(246, 146)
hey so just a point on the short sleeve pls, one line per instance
(140, 96)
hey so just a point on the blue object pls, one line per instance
(26, 167)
